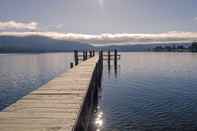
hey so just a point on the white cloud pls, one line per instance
(172, 36)
(18, 25)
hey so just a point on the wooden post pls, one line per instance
(115, 57)
(101, 55)
(93, 52)
(109, 56)
(71, 65)
(90, 53)
(100, 64)
(115, 62)
(76, 57)
(84, 56)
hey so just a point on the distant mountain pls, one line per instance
(141, 47)
(12, 44)
(31, 44)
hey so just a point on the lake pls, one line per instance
(147, 92)
(23, 73)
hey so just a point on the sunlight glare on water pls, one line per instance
(150, 92)
(98, 122)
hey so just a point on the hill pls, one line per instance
(13, 44)
(142, 47)
(33, 44)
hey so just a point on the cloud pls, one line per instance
(59, 26)
(172, 36)
(195, 18)
(18, 25)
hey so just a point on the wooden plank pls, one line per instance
(53, 107)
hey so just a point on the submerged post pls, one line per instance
(76, 57)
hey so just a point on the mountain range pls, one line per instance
(30, 44)
(38, 44)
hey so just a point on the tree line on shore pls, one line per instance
(177, 48)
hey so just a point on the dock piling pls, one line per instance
(71, 65)
(115, 58)
(109, 60)
(93, 52)
(90, 53)
(109, 55)
(84, 56)
(101, 55)
(76, 57)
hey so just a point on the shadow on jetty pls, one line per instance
(91, 100)
(96, 122)
(90, 117)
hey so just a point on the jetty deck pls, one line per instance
(55, 106)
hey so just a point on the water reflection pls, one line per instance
(155, 91)
(22, 73)
(116, 69)
(99, 120)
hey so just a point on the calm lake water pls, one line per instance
(22, 73)
(147, 92)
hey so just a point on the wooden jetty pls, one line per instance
(57, 105)
(65, 103)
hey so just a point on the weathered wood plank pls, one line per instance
(53, 107)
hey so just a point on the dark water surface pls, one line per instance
(150, 92)
(22, 73)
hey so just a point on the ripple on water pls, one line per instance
(153, 92)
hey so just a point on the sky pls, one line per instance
(101, 20)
